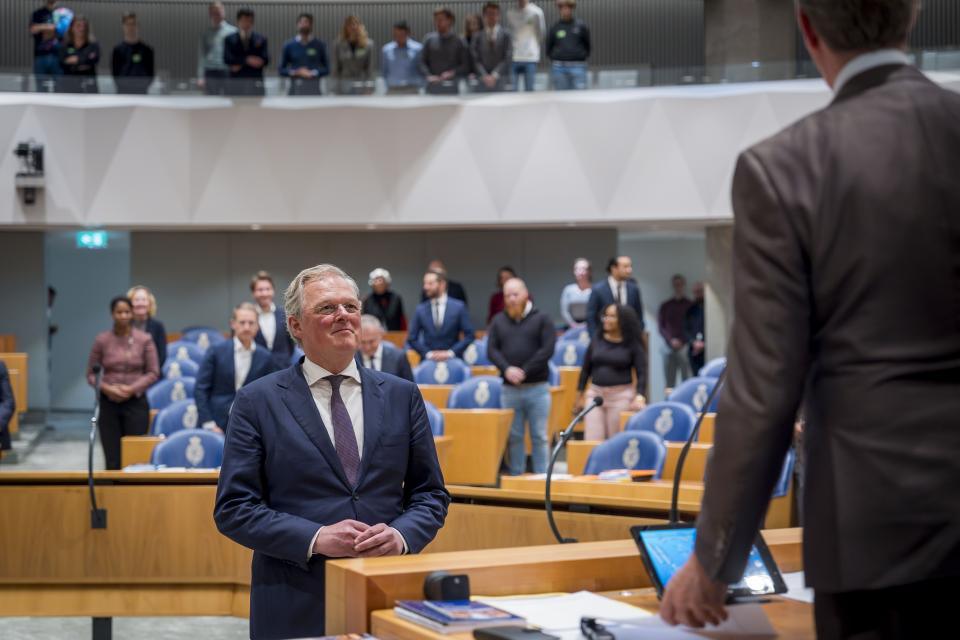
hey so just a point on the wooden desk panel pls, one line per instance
(357, 588)
(17, 367)
(569, 377)
(8, 343)
(396, 338)
(479, 440)
(436, 394)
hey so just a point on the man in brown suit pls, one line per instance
(847, 295)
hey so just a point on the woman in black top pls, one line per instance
(614, 354)
(79, 55)
(144, 312)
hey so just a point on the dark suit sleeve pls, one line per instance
(425, 499)
(7, 403)
(265, 54)
(231, 55)
(403, 369)
(548, 339)
(639, 308)
(286, 65)
(494, 354)
(767, 365)
(324, 63)
(240, 510)
(413, 336)
(593, 311)
(160, 340)
(468, 335)
(203, 390)
(116, 62)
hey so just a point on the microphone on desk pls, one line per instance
(678, 472)
(98, 517)
(561, 441)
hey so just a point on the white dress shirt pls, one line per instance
(268, 324)
(242, 361)
(619, 290)
(352, 396)
(866, 62)
(375, 361)
(440, 303)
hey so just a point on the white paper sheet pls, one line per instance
(559, 613)
(796, 589)
(745, 620)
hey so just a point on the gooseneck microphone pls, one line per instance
(678, 472)
(98, 517)
(561, 441)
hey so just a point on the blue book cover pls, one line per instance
(457, 612)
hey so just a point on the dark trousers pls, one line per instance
(118, 419)
(919, 610)
(214, 81)
(305, 87)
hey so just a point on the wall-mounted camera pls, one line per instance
(30, 177)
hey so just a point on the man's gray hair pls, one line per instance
(370, 320)
(293, 297)
(861, 25)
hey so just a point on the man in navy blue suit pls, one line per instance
(7, 407)
(378, 355)
(229, 366)
(273, 322)
(619, 288)
(245, 54)
(441, 327)
(324, 459)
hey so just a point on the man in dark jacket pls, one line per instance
(492, 51)
(245, 53)
(568, 46)
(132, 62)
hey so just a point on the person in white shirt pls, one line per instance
(528, 29)
(378, 355)
(271, 319)
(228, 366)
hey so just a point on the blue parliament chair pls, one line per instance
(672, 421)
(166, 392)
(476, 353)
(576, 334)
(478, 392)
(435, 418)
(569, 353)
(175, 417)
(694, 392)
(181, 350)
(194, 448)
(713, 369)
(629, 450)
(786, 474)
(452, 371)
(203, 337)
(174, 369)
(553, 374)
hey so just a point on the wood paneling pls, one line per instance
(479, 439)
(17, 368)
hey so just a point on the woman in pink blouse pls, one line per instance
(129, 364)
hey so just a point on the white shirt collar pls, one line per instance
(441, 300)
(379, 353)
(238, 346)
(273, 309)
(614, 284)
(313, 372)
(867, 61)
(527, 309)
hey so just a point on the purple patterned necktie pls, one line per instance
(344, 438)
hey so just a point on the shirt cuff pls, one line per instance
(313, 543)
(406, 549)
(208, 425)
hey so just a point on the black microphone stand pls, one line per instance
(678, 472)
(565, 435)
(98, 517)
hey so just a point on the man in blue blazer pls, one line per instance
(378, 355)
(273, 322)
(7, 407)
(439, 322)
(324, 459)
(228, 366)
(619, 288)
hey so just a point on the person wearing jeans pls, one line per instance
(527, 26)
(568, 46)
(520, 341)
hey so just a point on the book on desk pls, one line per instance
(454, 616)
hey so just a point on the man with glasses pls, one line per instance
(324, 460)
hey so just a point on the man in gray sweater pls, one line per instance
(445, 57)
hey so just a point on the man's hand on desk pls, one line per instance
(338, 540)
(692, 598)
(379, 540)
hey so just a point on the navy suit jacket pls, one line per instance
(234, 53)
(7, 406)
(424, 336)
(214, 391)
(282, 342)
(155, 328)
(601, 297)
(281, 480)
(393, 361)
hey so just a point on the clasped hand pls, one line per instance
(353, 539)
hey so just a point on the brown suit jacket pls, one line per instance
(847, 295)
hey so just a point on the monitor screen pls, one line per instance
(668, 549)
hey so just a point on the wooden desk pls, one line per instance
(436, 394)
(396, 338)
(791, 619)
(8, 343)
(17, 368)
(479, 440)
(356, 588)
